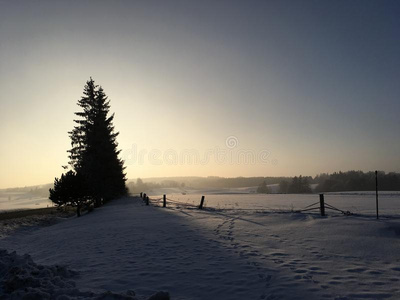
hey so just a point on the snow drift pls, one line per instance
(21, 278)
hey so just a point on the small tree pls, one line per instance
(294, 186)
(263, 188)
(283, 187)
(69, 190)
(305, 186)
(299, 185)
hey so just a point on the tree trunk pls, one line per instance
(97, 202)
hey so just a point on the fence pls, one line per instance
(320, 206)
(361, 204)
(164, 199)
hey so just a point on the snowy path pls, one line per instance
(221, 254)
(331, 260)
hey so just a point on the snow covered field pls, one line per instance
(356, 202)
(239, 198)
(220, 253)
(21, 200)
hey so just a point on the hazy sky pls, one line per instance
(304, 87)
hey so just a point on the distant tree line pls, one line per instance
(295, 185)
(357, 181)
(212, 181)
(97, 174)
(298, 185)
(140, 186)
(336, 182)
(238, 182)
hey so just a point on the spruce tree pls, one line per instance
(94, 152)
(79, 133)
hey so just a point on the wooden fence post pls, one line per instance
(322, 204)
(376, 187)
(141, 195)
(144, 196)
(165, 201)
(147, 200)
(201, 202)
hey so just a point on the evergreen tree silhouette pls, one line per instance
(299, 185)
(283, 187)
(263, 188)
(69, 190)
(79, 133)
(94, 153)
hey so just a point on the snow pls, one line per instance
(22, 200)
(21, 278)
(363, 203)
(221, 253)
(8, 226)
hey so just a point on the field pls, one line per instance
(238, 247)
(22, 200)
(362, 203)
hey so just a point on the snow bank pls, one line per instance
(21, 278)
(9, 226)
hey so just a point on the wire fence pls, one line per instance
(175, 203)
(357, 204)
(318, 207)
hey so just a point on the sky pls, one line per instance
(204, 88)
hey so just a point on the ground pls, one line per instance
(220, 254)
